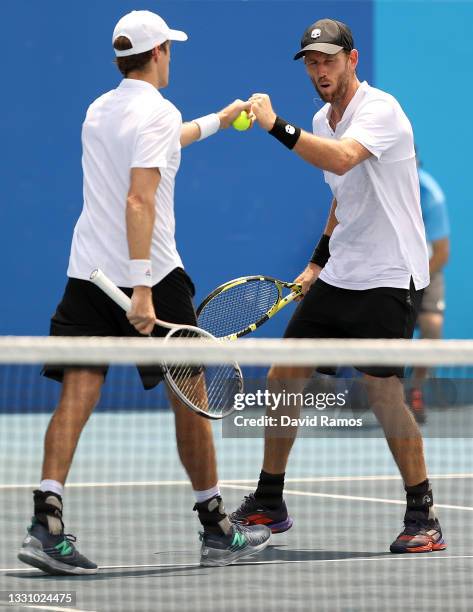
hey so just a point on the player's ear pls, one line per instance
(353, 58)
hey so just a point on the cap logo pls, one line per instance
(316, 33)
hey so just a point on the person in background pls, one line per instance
(432, 309)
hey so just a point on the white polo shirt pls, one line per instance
(380, 237)
(132, 126)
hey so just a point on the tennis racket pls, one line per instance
(240, 306)
(208, 390)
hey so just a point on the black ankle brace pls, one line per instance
(48, 510)
(420, 496)
(212, 516)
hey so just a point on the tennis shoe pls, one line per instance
(54, 554)
(420, 534)
(219, 550)
(251, 512)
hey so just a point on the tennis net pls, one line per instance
(128, 500)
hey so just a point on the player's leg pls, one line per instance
(195, 445)
(283, 382)
(46, 546)
(313, 318)
(386, 398)
(172, 298)
(391, 313)
(84, 310)
(222, 542)
(80, 394)
(266, 505)
(422, 531)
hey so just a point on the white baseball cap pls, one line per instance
(145, 30)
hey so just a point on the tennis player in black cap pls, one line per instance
(366, 276)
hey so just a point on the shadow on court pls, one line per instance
(107, 574)
(277, 553)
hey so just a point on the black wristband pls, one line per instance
(285, 132)
(321, 253)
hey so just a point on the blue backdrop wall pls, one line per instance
(244, 204)
(422, 55)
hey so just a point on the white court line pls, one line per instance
(93, 485)
(367, 478)
(381, 500)
(419, 557)
(174, 483)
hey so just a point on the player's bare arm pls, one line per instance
(140, 217)
(337, 156)
(195, 130)
(311, 273)
(334, 156)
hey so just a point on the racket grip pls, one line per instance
(107, 286)
(116, 294)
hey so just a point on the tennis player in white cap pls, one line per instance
(132, 138)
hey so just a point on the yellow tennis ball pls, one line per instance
(242, 122)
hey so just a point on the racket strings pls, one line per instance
(238, 307)
(208, 388)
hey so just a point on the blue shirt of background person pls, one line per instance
(434, 208)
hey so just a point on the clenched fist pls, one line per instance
(262, 110)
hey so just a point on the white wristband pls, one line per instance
(208, 125)
(140, 272)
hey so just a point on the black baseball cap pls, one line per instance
(328, 36)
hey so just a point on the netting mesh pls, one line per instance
(129, 501)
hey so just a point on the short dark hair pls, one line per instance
(129, 63)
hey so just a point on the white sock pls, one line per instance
(52, 485)
(201, 496)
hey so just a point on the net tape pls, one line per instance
(337, 352)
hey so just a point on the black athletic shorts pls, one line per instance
(331, 312)
(85, 310)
